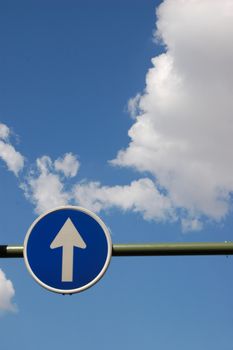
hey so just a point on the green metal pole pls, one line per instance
(148, 249)
(172, 249)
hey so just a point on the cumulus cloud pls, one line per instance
(183, 133)
(13, 159)
(140, 196)
(44, 186)
(68, 165)
(7, 292)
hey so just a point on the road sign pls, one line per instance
(67, 249)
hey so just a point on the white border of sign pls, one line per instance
(102, 272)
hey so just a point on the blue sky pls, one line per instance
(98, 110)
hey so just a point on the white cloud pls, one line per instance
(68, 165)
(45, 191)
(44, 187)
(140, 196)
(13, 159)
(7, 292)
(183, 134)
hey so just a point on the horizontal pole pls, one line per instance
(173, 249)
(7, 251)
(148, 249)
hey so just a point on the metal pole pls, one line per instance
(148, 249)
(166, 249)
(7, 251)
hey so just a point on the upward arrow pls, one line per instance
(68, 237)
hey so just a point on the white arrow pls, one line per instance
(68, 237)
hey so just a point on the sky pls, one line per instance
(124, 108)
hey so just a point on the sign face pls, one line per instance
(67, 249)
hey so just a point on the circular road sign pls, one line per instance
(67, 249)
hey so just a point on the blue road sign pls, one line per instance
(67, 249)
